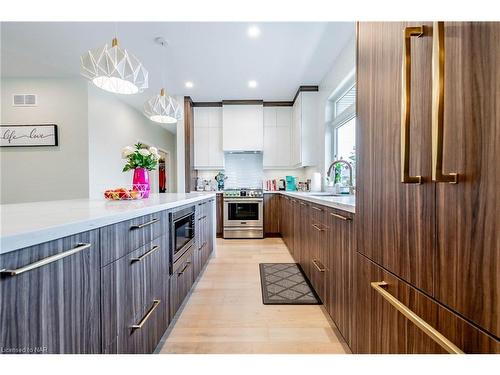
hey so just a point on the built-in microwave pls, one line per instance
(182, 232)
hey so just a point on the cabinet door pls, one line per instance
(271, 145)
(339, 289)
(304, 253)
(271, 214)
(296, 133)
(468, 214)
(219, 215)
(318, 259)
(282, 142)
(52, 308)
(130, 287)
(215, 153)
(380, 328)
(397, 219)
(180, 282)
(201, 147)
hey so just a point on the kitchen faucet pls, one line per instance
(349, 166)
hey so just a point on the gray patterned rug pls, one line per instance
(285, 284)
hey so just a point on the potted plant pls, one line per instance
(141, 160)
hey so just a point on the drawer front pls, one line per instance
(49, 301)
(460, 332)
(130, 286)
(380, 328)
(121, 238)
(181, 281)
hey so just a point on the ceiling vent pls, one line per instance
(24, 100)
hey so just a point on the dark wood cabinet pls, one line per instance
(396, 220)
(54, 307)
(381, 328)
(132, 286)
(438, 236)
(219, 215)
(317, 259)
(271, 214)
(181, 281)
(339, 273)
(467, 213)
(126, 236)
(303, 253)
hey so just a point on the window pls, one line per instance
(343, 125)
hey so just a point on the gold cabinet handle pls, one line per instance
(345, 218)
(14, 272)
(317, 208)
(144, 319)
(320, 269)
(317, 228)
(438, 106)
(430, 331)
(147, 253)
(408, 32)
(144, 224)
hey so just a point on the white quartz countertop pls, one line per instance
(27, 224)
(340, 202)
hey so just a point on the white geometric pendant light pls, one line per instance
(114, 69)
(162, 108)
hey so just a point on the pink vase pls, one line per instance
(141, 181)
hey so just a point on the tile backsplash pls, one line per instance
(243, 170)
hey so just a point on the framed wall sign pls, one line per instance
(28, 135)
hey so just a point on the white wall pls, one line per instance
(46, 173)
(112, 126)
(344, 64)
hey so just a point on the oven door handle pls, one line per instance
(243, 200)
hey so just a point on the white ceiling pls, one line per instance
(219, 58)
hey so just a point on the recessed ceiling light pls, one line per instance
(253, 31)
(252, 84)
(189, 84)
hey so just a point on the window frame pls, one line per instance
(341, 119)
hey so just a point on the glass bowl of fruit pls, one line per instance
(125, 193)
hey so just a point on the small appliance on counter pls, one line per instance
(282, 185)
(291, 183)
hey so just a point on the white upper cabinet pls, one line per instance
(304, 132)
(243, 128)
(208, 153)
(277, 137)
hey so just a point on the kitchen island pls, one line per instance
(95, 276)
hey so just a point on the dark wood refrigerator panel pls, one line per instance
(379, 328)
(468, 213)
(396, 220)
(54, 307)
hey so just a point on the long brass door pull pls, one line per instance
(430, 331)
(438, 106)
(45, 261)
(144, 319)
(408, 32)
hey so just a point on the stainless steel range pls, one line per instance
(243, 213)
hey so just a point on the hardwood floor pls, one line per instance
(225, 314)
